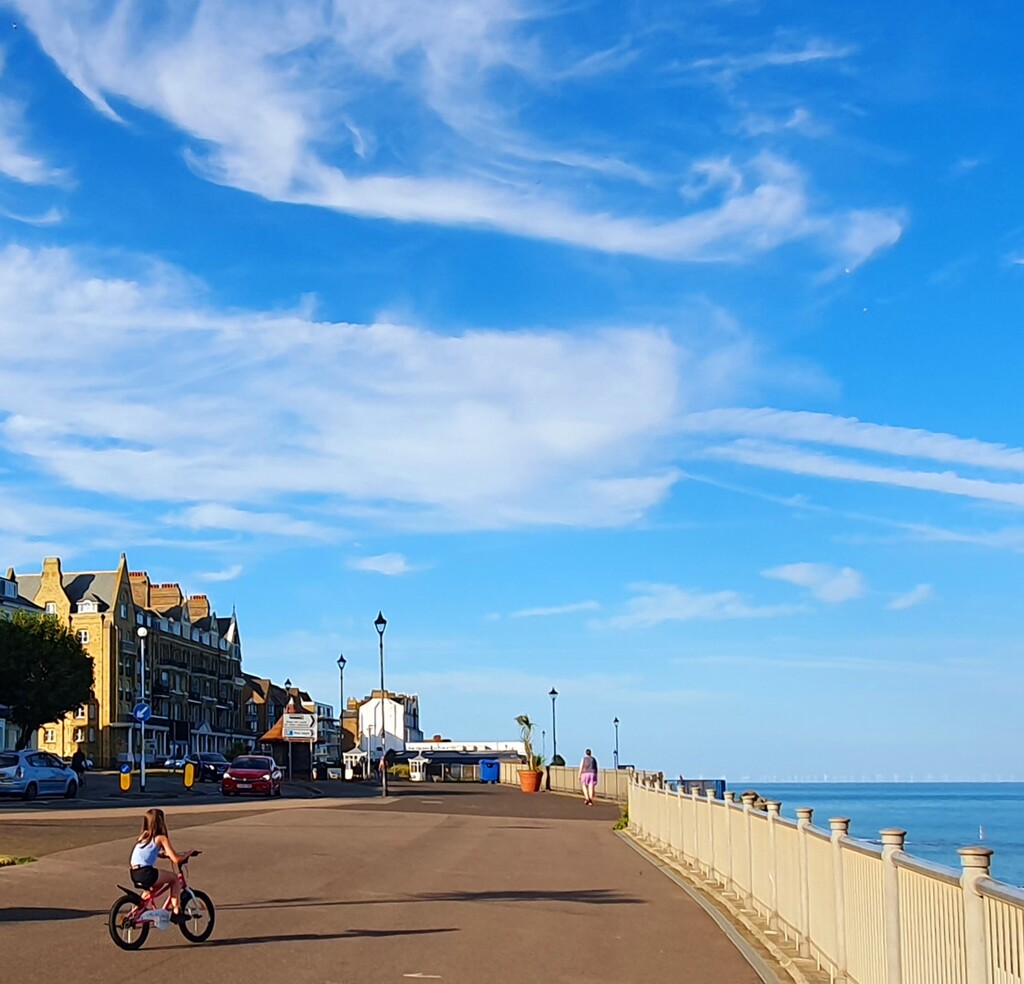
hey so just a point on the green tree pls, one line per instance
(44, 672)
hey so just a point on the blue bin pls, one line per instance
(490, 770)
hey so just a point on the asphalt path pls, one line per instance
(471, 884)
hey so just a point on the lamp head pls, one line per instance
(142, 632)
(553, 693)
(287, 685)
(341, 661)
(380, 623)
(616, 722)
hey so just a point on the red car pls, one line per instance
(256, 774)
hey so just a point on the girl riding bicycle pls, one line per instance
(153, 842)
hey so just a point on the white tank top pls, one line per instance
(145, 854)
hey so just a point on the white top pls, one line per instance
(145, 854)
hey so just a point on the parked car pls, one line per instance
(30, 773)
(210, 766)
(175, 762)
(256, 774)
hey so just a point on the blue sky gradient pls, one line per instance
(666, 353)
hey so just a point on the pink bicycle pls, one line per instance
(132, 915)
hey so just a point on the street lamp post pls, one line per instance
(341, 706)
(142, 632)
(287, 704)
(616, 723)
(380, 623)
(554, 739)
(543, 750)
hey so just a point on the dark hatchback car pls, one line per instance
(210, 766)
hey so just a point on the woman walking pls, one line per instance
(588, 777)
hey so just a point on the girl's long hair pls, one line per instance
(153, 824)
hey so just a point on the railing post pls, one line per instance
(975, 863)
(892, 844)
(681, 826)
(748, 805)
(728, 882)
(803, 821)
(840, 827)
(710, 796)
(695, 824)
(774, 808)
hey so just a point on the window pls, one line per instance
(51, 608)
(79, 734)
(92, 733)
(92, 713)
(124, 610)
(49, 736)
(87, 607)
(83, 636)
(80, 713)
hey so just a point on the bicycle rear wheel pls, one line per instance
(124, 931)
(198, 916)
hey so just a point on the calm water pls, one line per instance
(939, 817)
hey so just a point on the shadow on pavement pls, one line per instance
(46, 914)
(583, 896)
(313, 937)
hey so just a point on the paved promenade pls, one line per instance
(453, 883)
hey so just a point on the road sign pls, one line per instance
(142, 711)
(298, 727)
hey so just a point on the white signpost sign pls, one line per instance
(298, 727)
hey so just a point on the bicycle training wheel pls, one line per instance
(198, 916)
(126, 933)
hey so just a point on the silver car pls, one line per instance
(31, 773)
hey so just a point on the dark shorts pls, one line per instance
(144, 877)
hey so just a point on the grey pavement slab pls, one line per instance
(483, 888)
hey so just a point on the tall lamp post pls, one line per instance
(554, 740)
(341, 706)
(142, 632)
(616, 723)
(380, 623)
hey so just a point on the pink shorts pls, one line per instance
(589, 779)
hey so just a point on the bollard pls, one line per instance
(975, 863)
(840, 827)
(892, 844)
(803, 821)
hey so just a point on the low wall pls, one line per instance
(611, 784)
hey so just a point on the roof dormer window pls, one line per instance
(86, 607)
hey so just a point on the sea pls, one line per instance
(939, 817)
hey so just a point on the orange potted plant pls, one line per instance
(530, 777)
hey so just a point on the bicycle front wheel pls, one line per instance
(124, 930)
(198, 916)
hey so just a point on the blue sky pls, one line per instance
(666, 353)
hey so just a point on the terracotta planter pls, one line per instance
(529, 781)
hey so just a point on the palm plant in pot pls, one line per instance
(530, 777)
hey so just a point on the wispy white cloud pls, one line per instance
(285, 103)
(228, 574)
(657, 603)
(440, 431)
(391, 564)
(16, 161)
(215, 516)
(579, 606)
(52, 216)
(832, 585)
(725, 69)
(915, 596)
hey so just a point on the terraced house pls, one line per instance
(193, 674)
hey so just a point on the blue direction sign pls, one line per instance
(126, 768)
(142, 711)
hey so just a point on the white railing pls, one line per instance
(865, 914)
(612, 784)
